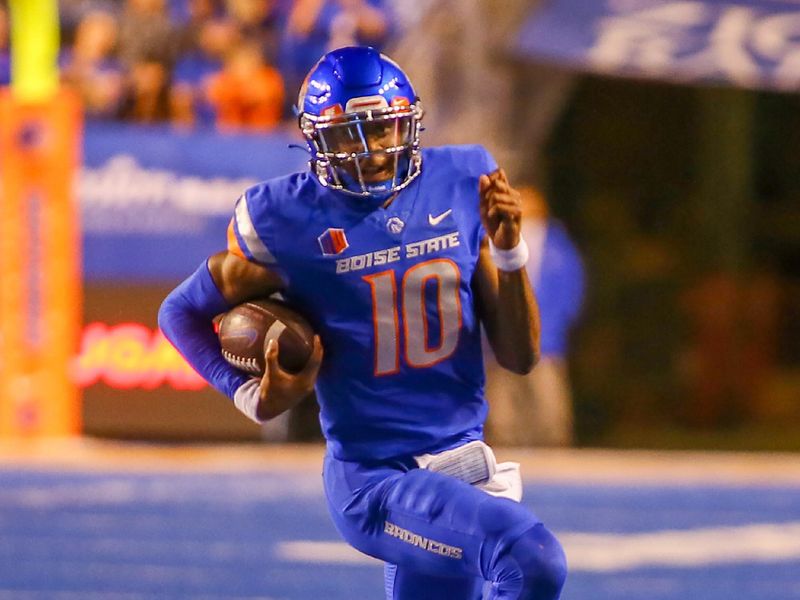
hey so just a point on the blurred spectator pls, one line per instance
(408, 14)
(536, 409)
(188, 98)
(90, 67)
(5, 58)
(315, 26)
(72, 12)
(183, 12)
(190, 17)
(247, 93)
(260, 22)
(146, 34)
(147, 93)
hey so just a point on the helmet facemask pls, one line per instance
(369, 154)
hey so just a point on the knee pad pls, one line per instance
(534, 567)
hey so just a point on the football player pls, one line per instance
(396, 255)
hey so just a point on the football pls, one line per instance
(245, 330)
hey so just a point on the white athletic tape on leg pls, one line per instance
(472, 463)
(475, 464)
(506, 483)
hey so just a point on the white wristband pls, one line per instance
(246, 399)
(509, 260)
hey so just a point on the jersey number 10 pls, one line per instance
(418, 352)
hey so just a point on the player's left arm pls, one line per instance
(504, 298)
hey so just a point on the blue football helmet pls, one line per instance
(361, 120)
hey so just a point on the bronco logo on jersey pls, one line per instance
(333, 241)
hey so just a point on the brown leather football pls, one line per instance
(245, 330)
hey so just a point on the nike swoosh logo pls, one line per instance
(439, 218)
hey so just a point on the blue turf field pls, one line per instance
(122, 535)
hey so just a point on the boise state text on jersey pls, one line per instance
(389, 291)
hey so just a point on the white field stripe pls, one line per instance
(339, 553)
(683, 548)
(617, 552)
(14, 594)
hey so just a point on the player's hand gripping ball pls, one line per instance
(246, 329)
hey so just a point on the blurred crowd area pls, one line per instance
(230, 64)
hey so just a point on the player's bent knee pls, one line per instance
(501, 516)
(535, 565)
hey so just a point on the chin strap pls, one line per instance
(374, 200)
(299, 147)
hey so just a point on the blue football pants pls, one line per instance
(440, 537)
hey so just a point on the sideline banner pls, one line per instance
(155, 202)
(747, 43)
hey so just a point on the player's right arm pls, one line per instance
(186, 319)
(239, 280)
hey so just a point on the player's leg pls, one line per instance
(402, 582)
(433, 524)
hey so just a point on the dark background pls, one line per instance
(683, 200)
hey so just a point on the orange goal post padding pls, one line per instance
(40, 283)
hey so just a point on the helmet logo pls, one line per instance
(366, 103)
(332, 111)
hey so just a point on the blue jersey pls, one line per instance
(389, 291)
